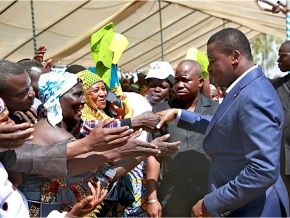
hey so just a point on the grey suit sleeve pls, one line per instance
(49, 161)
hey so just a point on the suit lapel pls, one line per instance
(286, 81)
(230, 97)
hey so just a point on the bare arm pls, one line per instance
(154, 209)
(127, 164)
(92, 160)
(132, 151)
(85, 162)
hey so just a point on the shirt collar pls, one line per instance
(239, 79)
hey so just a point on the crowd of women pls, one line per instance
(75, 106)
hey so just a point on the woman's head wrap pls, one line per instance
(51, 87)
(88, 78)
(90, 111)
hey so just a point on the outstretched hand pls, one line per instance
(135, 147)
(166, 116)
(13, 136)
(88, 204)
(147, 121)
(103, 139)
(166, 148)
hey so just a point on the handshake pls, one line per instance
(125, 138)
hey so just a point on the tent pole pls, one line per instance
(287, 20)
(33, 26)
(161, 33)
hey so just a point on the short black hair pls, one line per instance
(8, 69)
(25, 59)
(230, 39)
(75, 68)
(286, 44)
(28, 64)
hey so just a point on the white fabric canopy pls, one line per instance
(65, 27)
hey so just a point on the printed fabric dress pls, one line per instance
(44, 195)
(138, 180)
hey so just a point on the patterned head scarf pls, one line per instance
(2, 105)
(90, 110)
(51, 87)
(88, 78)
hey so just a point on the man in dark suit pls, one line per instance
(282, 86)
(183, 176)
(242, 138)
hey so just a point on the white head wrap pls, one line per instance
(51, 87)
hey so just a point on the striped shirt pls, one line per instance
(83, 128)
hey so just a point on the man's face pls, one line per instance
(284, 58)
(220, 66)
(187, 83)
(19, 96)
(34, 76)
(157, 91)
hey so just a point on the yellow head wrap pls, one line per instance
(90, 110)
(88, 78)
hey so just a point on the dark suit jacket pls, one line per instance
(184, 176)
(243, 141)
(282, 86)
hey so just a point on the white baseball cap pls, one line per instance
(161, 70)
